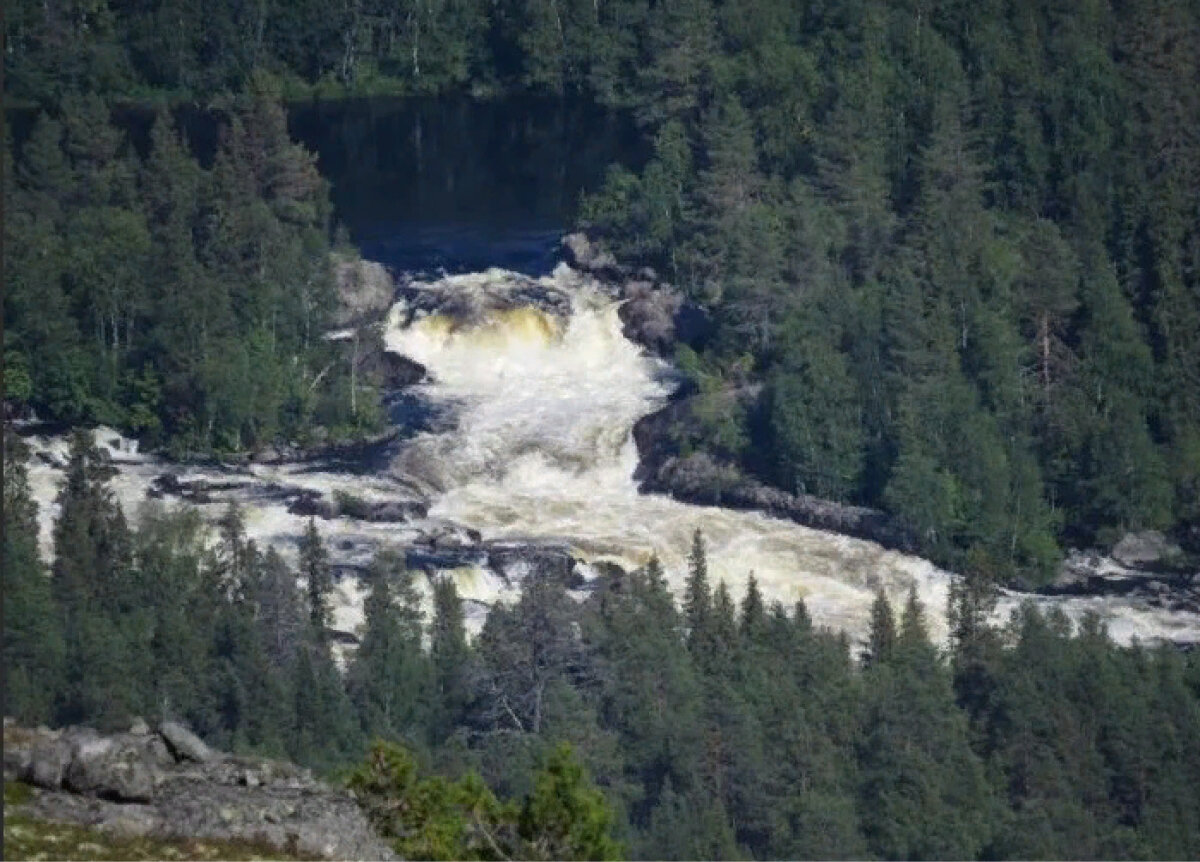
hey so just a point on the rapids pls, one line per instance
(544, 391)
(536, 392)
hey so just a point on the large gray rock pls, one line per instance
(47, 763)
(121, 768)
(185, 744)
(648, 315)
(1144, 550)
(583, 254)
(400, 371)
(365, 291)
(122, 785)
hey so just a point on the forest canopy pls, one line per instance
(714, 727)
(187, 305)
(951, 249)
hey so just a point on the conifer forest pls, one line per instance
(946, 259)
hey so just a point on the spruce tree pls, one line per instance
(314, 569)
(389, 678)
(34, 650)
(449, 655)
(90, 581)
(697, 598)
(881, 640)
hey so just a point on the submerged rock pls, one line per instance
(308, 503)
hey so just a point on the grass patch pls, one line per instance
(29, 838)
(17, 793)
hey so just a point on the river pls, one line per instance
(535, 389)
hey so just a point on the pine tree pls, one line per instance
(566, 817)
(389, 680)
(753, 614)
(314, 568)
(881, 641)
(697, 598)
(90, 581)
(279, 611)
(449, 655)
(34, 651)
(922, 790)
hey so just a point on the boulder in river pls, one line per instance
(583, 254)
(400, 371)
(1144, 550)
(365, 291)
(657, 316)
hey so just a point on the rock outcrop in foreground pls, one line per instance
(169, 784)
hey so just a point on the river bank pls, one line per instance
(517, 452)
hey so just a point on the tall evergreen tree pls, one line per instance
(34, 650)
(449, 655)
(318, 579)
(389, 679)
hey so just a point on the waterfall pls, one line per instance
(537, 390)
(544, 391)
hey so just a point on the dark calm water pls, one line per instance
(456, 185)
(425, 185)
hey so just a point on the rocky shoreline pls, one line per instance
(363, 504)
(658, 317)
(168, 784)
(1144, 566)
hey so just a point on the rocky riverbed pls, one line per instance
(531, 433)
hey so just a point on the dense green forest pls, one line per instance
(720, 729)
(951, 249)
(951, 252)
(184, 304)
(956, 243)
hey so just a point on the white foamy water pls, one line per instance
(540, 407)
(542, 447)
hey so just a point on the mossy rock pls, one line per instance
(27, 837)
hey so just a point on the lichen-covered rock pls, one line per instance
(123, 768)
(123, 785)
(48, 762)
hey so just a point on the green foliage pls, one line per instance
(711, 731)
(434, 818)
(34, 649)
(182, 304)
(816, 422)
(565, 817)
(390, 680)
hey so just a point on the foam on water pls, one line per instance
(542, 447)
(543, 390)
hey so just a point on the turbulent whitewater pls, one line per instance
(536, 391)
(544, 391)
